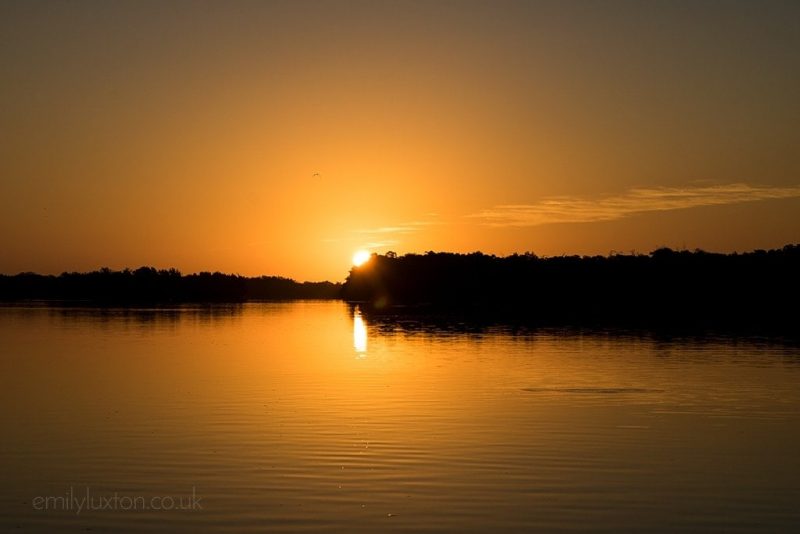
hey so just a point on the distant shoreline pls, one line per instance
(753, 291)
(147, 285)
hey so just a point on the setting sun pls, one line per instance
(361, 257)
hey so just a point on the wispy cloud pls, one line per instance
(403, 228)
(381, 244)
(392, 235)
(383, 236)
(566, 209)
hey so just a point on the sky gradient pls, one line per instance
(281, 137)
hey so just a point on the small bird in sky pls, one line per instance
(316, 175)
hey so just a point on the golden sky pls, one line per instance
(280, 137)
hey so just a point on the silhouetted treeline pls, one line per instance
(147, 284)
(665, 287)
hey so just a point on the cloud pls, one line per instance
(389, 236)
(566, 209)
(382, 236)
(403, 228)
(381, 244)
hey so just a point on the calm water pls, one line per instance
(305, 417)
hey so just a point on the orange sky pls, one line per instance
(188, 134)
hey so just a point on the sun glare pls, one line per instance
(360, 257)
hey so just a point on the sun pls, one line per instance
(361, 257)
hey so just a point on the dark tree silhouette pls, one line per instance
(758, 289)
(148, 285)
(665, 287)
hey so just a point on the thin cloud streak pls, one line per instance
(566, 209)
(389, 236)
(383, 236)
(381, 244)
(403, 228)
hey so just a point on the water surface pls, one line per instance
(305, 417)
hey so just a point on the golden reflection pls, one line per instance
(359, 332)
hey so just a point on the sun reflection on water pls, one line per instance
(359, 333)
